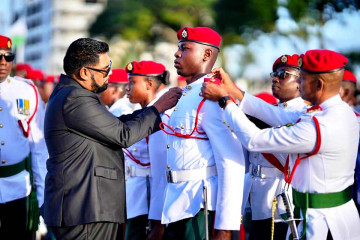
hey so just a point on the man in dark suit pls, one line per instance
(84, 187)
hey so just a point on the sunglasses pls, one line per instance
(9, 57)
(281, 74)
(107, 71)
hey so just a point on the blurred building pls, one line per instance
(52, 25)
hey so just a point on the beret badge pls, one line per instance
(284, 59)
(9, 44)
(300, 62)
(129, 67)
(184, 33)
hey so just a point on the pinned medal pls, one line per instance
(26, 107)
(213, 79)
(284, 59)
(20, 106)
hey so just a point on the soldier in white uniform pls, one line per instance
(265, 179)
(347, 94)
(322, 142)
(114, 96)
(22, 149)
(201, 152)
(144, 164)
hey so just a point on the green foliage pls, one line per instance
(319, 10)
(236, 17)
(136, 19)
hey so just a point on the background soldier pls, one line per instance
(23, 151)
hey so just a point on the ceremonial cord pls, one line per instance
(274, 203)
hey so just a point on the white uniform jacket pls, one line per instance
(330, 170)
(223, 149)
(157, 153)
(264, 181)
(136, 186)
(18, 102)
(122, 106)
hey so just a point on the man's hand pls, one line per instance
(157, 230)
(168, 100)
(222, 235)
(227, 84)
(212, 91)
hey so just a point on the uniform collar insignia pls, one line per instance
(314, 108)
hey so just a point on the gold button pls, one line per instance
(255, 155)
(188, 87)
(224, 122)
(8, 80)
(168, 146)
(184, 93)
(228, 126)
(168, 166)
(135, 149)
(182, 127)
(252, 176)
(231, 130)
(285, 104)
(0, 108)
(1, 125)
(175, 109)
(2, 143)
(3, 161)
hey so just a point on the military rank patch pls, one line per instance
(284, 59)
(23, 106)
(289, 125)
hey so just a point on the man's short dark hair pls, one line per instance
(83, 52)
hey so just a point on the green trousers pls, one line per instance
(190, 228)
(136, 228)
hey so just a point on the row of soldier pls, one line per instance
(310, 137)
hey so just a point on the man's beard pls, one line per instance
(96, 88)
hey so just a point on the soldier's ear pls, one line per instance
(207, 54)
(320, 84)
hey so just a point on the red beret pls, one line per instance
(118, 76)
(322, 61)
(35, 74)
(5, 43)
(286, 61)
(50, 78)
(267, 97)
(23, 66)
(349, 76)
(202, 35)
(145, 68)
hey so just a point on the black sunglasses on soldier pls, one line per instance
(281, 74)
(9, 57)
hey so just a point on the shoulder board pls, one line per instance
(28, 81)
(314, 108)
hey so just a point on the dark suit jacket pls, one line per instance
(85, 179)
